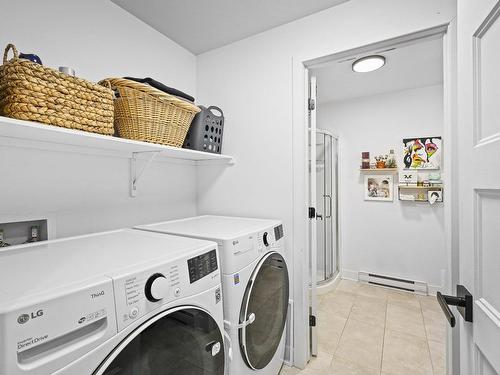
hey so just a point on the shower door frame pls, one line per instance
(336, 230)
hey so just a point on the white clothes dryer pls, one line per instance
(255, 286)
(117, 303)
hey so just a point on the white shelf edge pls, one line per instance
(420, 187)
(35, 133)
(387, 170)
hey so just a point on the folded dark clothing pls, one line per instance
(160, 86)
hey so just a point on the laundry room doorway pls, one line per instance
(353, 284)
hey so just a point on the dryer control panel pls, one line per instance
(270, 239)
(142, 292)
(239, 252)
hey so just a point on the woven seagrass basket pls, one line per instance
(143, 113)
(30, 91)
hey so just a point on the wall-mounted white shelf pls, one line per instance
(437, 187)
(411, 190)
(19, 133)
(28, 133)
(417, 200)
(388, 170)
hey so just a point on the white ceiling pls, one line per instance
(202, 25)
(411, 66)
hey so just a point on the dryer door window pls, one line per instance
(264, 311)
(182, 341)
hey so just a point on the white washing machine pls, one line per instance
(118, 303)
(255, 285)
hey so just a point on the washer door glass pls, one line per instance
(264, 311)
(184, 341)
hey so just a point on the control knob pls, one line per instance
(265, 238)
(156, 287)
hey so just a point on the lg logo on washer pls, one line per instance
(23, 318)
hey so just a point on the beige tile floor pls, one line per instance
(370, 330)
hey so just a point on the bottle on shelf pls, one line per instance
(365, 160)
(35, 236)
(2, 241)
(391, 160)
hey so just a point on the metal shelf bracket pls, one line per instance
(135, 173)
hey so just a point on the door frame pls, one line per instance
(311, 161)
(301, 66)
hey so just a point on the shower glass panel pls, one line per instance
(326, 198)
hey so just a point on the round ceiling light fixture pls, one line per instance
(368, 64)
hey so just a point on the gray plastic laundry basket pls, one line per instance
(206, 130)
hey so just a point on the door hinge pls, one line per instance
(312, 213)
(312, 321)
(311, 104)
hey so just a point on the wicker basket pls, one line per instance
(30, 91)
(144, 113)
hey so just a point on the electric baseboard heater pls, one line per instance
(418, 287)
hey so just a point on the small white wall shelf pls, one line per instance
(19, 133)
(436, 187)
(369, 170)
(411, 190)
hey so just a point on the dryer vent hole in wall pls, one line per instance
(417, 287)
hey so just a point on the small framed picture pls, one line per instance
(379, 188)
(422, 153)
(434, 196)
(408, 177)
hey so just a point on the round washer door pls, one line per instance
(266, 297)
(181, 341)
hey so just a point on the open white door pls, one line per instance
(479, 175)
(313, 340)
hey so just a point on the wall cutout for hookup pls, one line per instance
(15, 233)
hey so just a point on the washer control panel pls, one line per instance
(139, 293)
(202, 265)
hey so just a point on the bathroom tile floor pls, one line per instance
(370, 330)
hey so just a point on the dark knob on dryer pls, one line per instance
(265, 239)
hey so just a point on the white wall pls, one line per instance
(397, 238)
(252, 81)
(97, 38)
(86, 193)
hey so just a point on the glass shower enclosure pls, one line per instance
(327, 250)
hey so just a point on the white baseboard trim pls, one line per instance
(350, 275)
(433, 289)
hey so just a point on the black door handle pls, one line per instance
(463, 301)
